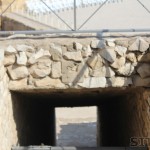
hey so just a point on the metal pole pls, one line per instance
(75, 16)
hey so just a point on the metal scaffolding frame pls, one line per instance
(75, 29)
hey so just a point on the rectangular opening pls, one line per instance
(76, 126)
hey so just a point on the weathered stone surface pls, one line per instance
(18, 84)
(139, 45)
(39, 54)
(119, 81)
(10, 50)
(95, 62)
(93, 82)
(77, 46)
(131, 57)
(9, 60)
(86, 52)
(98, 44)
(56, 70)
(2, 72)
(23, 48)
(102, 72)
(119, 62)
(75, 56)
(17, 72)
(138, 81)
(121, 50)
(51, 83)
(41, 69)
(144, 70)
(123, 42)
(126, 70)
(21, 58)
(144, 58)
(1, 54)
(108, 54)
(110, 42)
(56, 52)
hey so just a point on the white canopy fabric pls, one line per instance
(36, 6)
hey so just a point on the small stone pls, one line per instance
(123, 42)
(131, 57)
(95, 62)
(121, 50)
(119, 62)
(39, 54)
(108, 54)
(51, 83)
(56, 52)
(18, 84)
(21, 58)
(126, 70)
(102, 72)
(10, 50)
(23, 48)
(144, 70)
(144, 58)
(41, 69)
(86, 52)
(139, 45)
(110, 42)
(77, 46)
(17, 72)
(93, 82)
(119, 81)
(138, 81)
(56, 70)
(75, 56)
(9, 60)
(98, 44)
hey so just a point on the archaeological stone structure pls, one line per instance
(110, 73)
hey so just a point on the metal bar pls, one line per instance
(93, 14)
(7, 8)
(75, 16)
(38, 32)
(56, 15)
(144, 6)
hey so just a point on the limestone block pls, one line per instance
(24, 48)
(139, 44)
(122, 42)
(95, 62)
(121, 50)
(56, 70)
(131, 57)
(48, 82)
(9, 60)
(17, 72)
(119, 62)
(21, 58)
(110, 42)
(75, 56)
(144, 70)
(138, 81)
(10, 50)
(77, 46)
(93, 82)
(18, 84)
(39, 54)
(98, 44)
(108, 54)
(86, 52)
(119, 81)
(41, 69)
(126, 70)
(102, 72)
(144, 58)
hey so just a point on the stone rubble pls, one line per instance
(97, 64)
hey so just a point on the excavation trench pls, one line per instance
(117, 115)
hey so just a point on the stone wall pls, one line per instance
(8, 133)
(75, 63)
